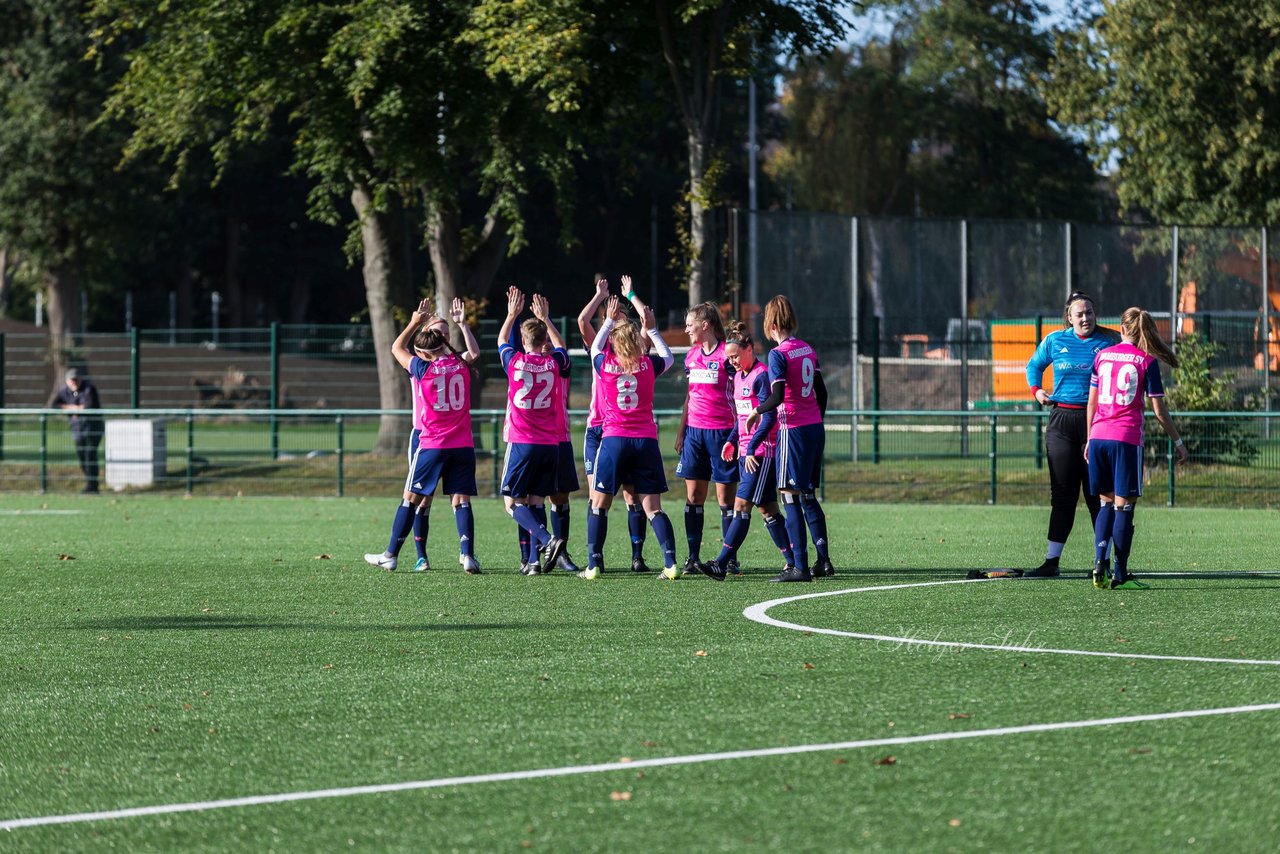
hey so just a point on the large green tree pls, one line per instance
(700, 46)
(941, 113)
(387, 110)
(64, 206)
(1183, 101)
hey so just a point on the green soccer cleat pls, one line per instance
(1101, 571)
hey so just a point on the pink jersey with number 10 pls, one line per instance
(794, 362)
(444, 389)
(626, 397)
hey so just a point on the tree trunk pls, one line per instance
(701, 244)
(382, 282)
(6, 283)
(63, 285)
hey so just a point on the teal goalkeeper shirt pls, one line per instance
(1072, 359)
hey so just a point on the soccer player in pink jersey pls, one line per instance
(421, 523)
(705, 425)
(1122, 376)
(795, 383)
(535, 421)
(757, 473)
(446, 451)
(629, 451)
(636, 524)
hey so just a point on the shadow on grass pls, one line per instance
(206, 622)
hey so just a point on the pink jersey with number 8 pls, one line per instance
(626, 397)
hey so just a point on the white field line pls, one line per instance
(755, 612)
(574, 770)
(40, 512)
(759, 613)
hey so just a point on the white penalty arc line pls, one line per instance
(574, 770)
(759, 613)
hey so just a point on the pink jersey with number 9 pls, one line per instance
(796, 364)
(626, 397)
(443, 389)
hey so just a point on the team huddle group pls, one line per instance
(752, 428)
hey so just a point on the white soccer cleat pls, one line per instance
(382, 561)
(470, 565)
(671, 573)
(591, 573)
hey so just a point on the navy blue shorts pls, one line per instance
(567, 470)
(590, 446)
(530, 470)
(1115, 467)
(759, 488)
(700, 457)
(454, 468)
(799, 454)
(414, 435)
(637, 462)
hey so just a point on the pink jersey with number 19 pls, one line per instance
(626, 397)
(444, 389)
(794, 362)
(1121, 374)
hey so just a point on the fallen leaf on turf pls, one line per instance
(206, 610)
(1142, 750)
(65, 557)
(1121, 640)
(840, 760)
(955, 822)
(702, 653)
(887, 760)
(624, 758)
(328, 667)
(525, 843)
(187, 707)
(324, 557)
(808, 666)
(1228, 640)
(958, 716)
(619, 796)
(652, 744)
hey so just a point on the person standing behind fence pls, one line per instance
(1070, 352)
(795, 383)
(446, 454)
(1121, 376)
(76, 395)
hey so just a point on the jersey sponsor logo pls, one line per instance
(704, 376)
(745, 405)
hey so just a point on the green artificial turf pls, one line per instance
(165, 650)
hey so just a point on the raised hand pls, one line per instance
(541, 308)
(602, 287)
(515, 301)
(650, 322)
(459, 311)
(613, 309)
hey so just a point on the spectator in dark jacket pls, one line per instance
(77, 395)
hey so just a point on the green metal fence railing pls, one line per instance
(957, 456)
